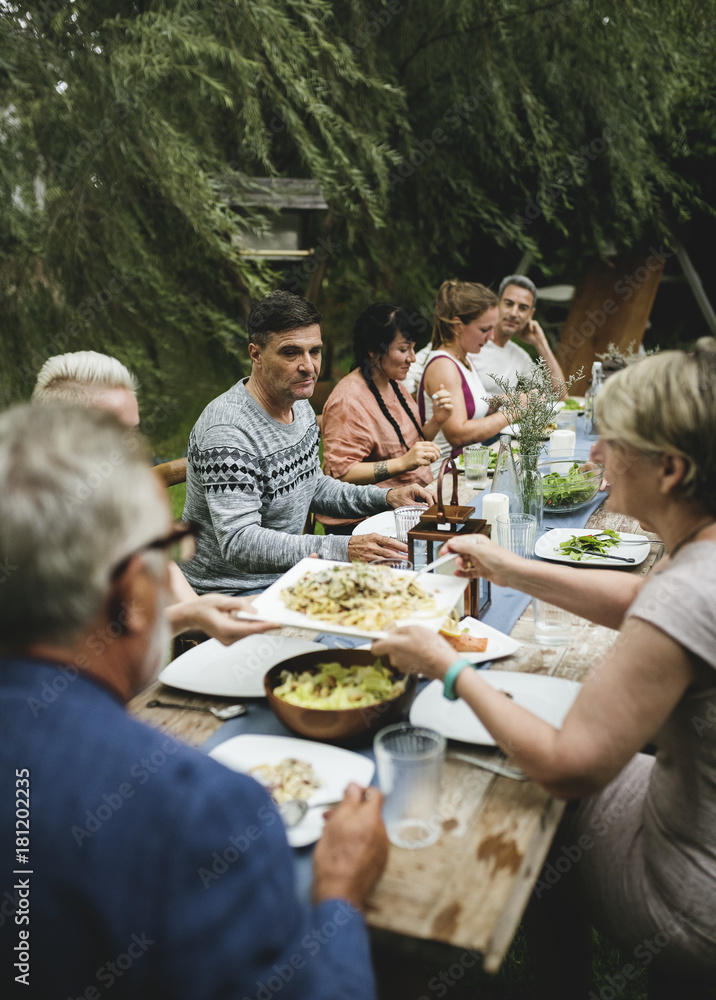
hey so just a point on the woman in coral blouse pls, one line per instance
(372, 432)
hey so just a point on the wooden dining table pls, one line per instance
(469, 890)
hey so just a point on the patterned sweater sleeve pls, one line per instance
(252, 500)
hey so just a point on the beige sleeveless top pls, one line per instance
(680, 805)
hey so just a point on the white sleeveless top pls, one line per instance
(476, 404)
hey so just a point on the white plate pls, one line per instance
(446, 590)
(550, 698)
(381, 524)
(334, 768)
(498, 644)
(547, 547)
(235, 671)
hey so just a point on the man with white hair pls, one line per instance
(101, 382)
(88, 378)
(147, 867)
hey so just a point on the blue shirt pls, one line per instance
(151, 869)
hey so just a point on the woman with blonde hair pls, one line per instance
(465, 317)
(650, 867)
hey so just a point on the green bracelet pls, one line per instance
(450, 678)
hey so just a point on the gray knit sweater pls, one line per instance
(250, 483)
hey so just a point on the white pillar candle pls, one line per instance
(562, 444)
(494, 504)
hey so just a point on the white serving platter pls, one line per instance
(550, 698)
(334, 767)
(547, 547)
(235, 671)
(269, 606)
(498, 644)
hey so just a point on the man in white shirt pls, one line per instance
(518, 297)
(502, 357)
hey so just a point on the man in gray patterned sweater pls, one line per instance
(253, 473)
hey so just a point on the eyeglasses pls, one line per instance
(179, 545)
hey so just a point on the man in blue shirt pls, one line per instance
(129, 860)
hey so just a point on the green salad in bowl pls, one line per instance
(569, 483)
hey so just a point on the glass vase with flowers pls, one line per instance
(530, 405)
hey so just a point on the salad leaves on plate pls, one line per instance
(579, 546)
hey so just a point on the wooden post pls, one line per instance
(612, 304)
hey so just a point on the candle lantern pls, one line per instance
(439, 523)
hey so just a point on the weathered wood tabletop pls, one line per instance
(469, 889)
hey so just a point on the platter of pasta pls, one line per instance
(357, 599)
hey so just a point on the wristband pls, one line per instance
(450, 678)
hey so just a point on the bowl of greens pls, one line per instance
(569, 483)
(338, 695)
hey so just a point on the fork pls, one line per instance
(633, 541)
(230, 712)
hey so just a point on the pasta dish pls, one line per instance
(366, 597)
(289, 779)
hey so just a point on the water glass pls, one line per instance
(391, 562)
(410, 763)
(516, 532)
(552, 625)
(566, 420)
(476, 459)
(405, 519)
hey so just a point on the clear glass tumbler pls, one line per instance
(476, 459)
(516, 532)
(410, 763)
(405, 519)
(553, 625)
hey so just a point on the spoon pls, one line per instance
(230, 712)
(293, 811)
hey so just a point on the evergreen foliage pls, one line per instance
(118, 117)
(447, 139)
(560, 128)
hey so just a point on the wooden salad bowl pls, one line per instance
(336, 725)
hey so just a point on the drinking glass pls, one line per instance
(476, 459)
(410, 762)
(516, 532)
(393, 563)
(566, 420)
(552, 625)
(405, 519)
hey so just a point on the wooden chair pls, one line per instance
(171, 473)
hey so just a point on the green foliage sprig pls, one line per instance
(530, 403)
